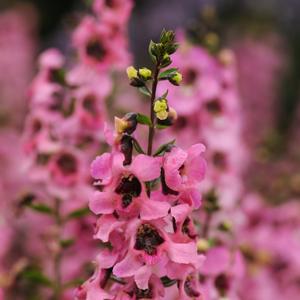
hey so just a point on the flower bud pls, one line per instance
(161, 109)
(145, 73)
(203, 245)
(132, 72)
(166, 60)
(127, 124)
(176, 78)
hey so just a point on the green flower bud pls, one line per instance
(132, 72)
(145, 73)
(176, 78)
(161, 109)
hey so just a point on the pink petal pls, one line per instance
(106, 259)
(183, 253)
(142, 277)
(101, 167)
(106, 224)
(175, 159)
(146, 168)
(195, 164)
(127, 267)
(180, 212)
(102, 203)
(217, 261)
(151, 210)
(173, 179)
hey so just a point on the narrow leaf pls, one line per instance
(137, 146)
(158, 126)
(41, 208)
(163, 148)
(36, 276)
(67, 243)
(167, 282)
(167, 73)
(151, 52)
(145, 91)
(142, 119)
(78, 213)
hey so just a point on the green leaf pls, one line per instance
(41, 208)
(165, 94)
(137, 146)
(67, 243)
(159, 126)
(151, 51)
(36, 276)
(163, 148)
(144, 90)
(166, 74)
(59, 76)
(73, 283)
(167, 282)
(142, 119)
(78, 213)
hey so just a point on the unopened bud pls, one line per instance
(203, 245)
(127, 124)
(176, 78)
(161, 109)
(132, 72)
(225, 226)
(145, 73)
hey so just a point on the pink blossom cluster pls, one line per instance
(63, 132)
(150, 237)
(172, 224)
(208, 108)
(270, 242)
(144, 203)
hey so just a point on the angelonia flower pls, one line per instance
(208, 108)
(64, 130)
(144, 201)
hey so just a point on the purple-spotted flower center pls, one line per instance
(96, 50)
(67, 164)
(148, 239)
(129, 187)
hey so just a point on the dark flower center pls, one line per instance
(190, 76)
(143, 294)
(89, 104)
(36, 126)
(213, 106)
(222, 283)
(181, 123)
(67, 163)
(189, 287)
(95, 49)
(126, 200)
(129, 185)
(110, 3)
(186, 228)
(148, 239)
(219, 160)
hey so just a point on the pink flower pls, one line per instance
(97, 46)
(150, 250)
(124, 190)
(114, 12)
(184, 170)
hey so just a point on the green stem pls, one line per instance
(152, 114)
